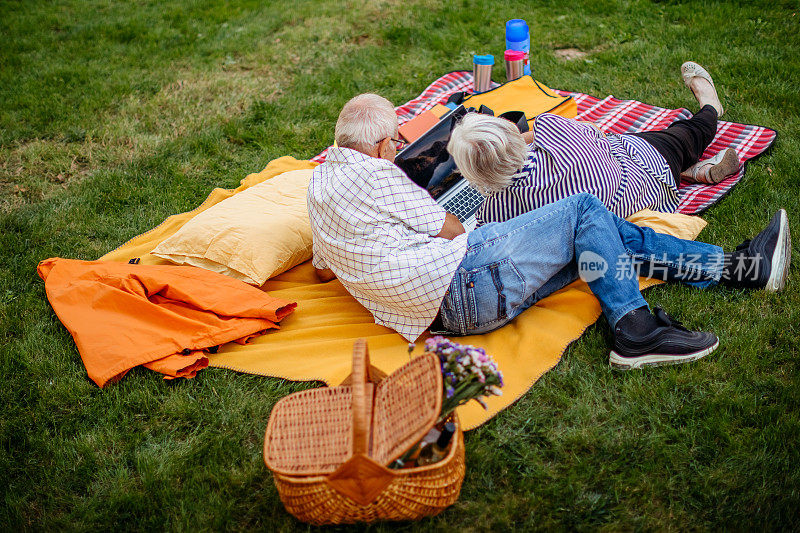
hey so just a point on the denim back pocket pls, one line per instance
(449, 312)
(492, 293)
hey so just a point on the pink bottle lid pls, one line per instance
(514, 55)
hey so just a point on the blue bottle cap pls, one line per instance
(487, 59)
(517, 30)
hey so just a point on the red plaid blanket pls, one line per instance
(625, 116)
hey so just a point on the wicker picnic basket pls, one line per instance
(328, 448)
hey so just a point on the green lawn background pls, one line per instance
(114, 115)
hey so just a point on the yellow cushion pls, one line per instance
(675, 224)
(252, 236)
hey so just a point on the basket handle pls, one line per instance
(360, 377)
(360, 478)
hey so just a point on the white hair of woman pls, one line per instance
(365, 120)
(488, 151)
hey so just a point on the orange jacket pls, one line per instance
(123, 315)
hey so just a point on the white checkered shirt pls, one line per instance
(375, 229)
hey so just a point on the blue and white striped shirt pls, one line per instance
(568, 157)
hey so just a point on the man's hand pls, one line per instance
(325, 274)
(452, 227)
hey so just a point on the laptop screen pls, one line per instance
(426, 160)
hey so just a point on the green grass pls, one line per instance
(115, 115)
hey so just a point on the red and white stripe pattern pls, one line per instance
(625, 116)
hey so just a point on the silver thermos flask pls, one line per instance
(515, 62)
(482, 73)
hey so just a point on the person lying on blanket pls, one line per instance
(559, 157)
(411, 264)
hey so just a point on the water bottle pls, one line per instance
(519, 38)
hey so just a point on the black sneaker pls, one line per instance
(763, 262)
(668, 344)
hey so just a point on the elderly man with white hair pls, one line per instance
(412, 265)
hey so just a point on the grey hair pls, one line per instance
(364, 121)
(487, 150)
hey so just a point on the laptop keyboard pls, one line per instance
(464, 204)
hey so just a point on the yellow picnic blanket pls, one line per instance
(316, 341)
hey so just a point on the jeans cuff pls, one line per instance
(613, 316)
(717, 268)
(705, 274)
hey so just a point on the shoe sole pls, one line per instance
(619, 362)
(727, 165)
(781, 257)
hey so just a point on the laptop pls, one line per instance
(429, 165)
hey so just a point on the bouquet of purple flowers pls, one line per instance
(467, 373)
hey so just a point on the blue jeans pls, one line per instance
(511, 265)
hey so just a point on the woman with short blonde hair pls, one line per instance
(488, 151)
(626, 172)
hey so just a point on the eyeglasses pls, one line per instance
(398, 143)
